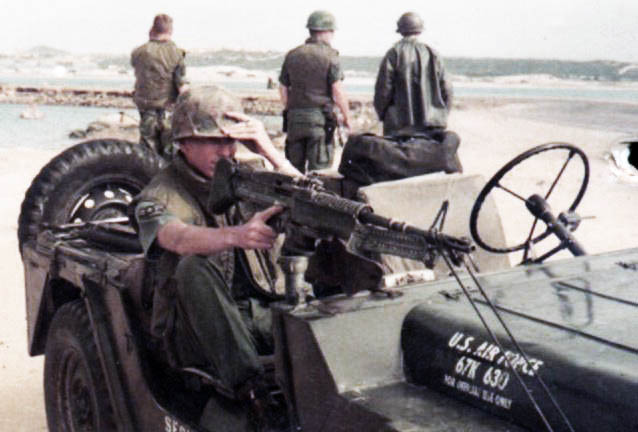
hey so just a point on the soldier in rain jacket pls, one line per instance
(411, 93)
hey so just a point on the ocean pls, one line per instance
(49, 132)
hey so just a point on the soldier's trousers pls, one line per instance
(214, 331)
(155, 130)
(309, 152)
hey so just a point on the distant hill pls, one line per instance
(471, 67)
(602, 70)
(586, 70)
(44, 51)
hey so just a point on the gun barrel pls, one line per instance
(432, 237)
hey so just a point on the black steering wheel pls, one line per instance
(495, 182)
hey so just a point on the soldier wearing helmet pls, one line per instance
(310, 87)
(412, 93)
(208, 311)
(159, 77)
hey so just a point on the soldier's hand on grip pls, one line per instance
(256, 234)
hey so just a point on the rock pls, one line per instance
(77, 133)
(31, 113)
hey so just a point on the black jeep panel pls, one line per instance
(577, 328)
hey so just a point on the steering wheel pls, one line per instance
(495, 182)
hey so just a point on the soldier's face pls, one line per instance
(204, 153)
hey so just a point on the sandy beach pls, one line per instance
(492, 133)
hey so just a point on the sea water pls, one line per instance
(52, 130)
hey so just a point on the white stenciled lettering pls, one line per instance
(455, 339)
(449, 380)
(461, 342)
(487, 351)
(467, 367)
(466, 387)
(172, 425)
(517, 362)
(475, 391)
(503, 402)
(488, 396)
(496, 378)
(536, 364)
(463, 386)
(481, 348)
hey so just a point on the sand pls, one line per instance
(492, 134)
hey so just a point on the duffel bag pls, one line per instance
(369, 158)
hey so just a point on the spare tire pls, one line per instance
(92, 180)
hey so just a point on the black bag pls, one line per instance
(369, 158)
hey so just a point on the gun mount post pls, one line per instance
(294, 268)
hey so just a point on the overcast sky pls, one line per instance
(559, 29)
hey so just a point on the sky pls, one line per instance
(552, 29)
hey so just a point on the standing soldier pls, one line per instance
(159, 77)
(411, 93)
(310, 87)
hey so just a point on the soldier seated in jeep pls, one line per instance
(207, 310)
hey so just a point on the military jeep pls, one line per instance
(476, 345)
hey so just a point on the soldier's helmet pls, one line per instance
(321, 21)
(409, 22)
(199, 112)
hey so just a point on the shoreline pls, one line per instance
(264, 102)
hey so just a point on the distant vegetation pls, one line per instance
(589, 70)
(471, 67)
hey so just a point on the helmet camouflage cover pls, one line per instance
(410, 22)
(321, 21)
(199, 112)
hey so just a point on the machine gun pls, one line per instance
(312, 212)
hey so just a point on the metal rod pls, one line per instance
(517, 345)
(551, 189)
(528, 392)
(498, 185)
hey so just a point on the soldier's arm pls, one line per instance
(341, 100)
(284, 84)
(252, 134)
(185, 239)
(283, 95)
(445, 84)
(179, 74)
(335, 78)
(384, 86)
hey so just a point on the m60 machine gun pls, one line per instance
(311, 212)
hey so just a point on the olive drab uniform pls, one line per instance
(159, 73)
(206, 310)
(309, 72)
(412, 93)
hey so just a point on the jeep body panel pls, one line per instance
(342, 364)
(107, 285)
